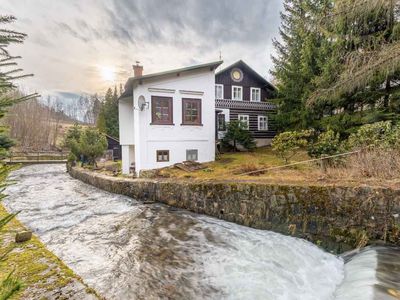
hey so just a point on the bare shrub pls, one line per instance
(373, 163)
(248, 167)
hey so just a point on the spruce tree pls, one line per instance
(8, 74)
(301, 56)
(366, 36)
(107, 121)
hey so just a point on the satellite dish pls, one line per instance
(142, 103)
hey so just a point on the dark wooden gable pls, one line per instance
(250, 79)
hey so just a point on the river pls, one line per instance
(129, 250)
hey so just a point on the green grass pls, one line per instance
(35, 269)
(230, 165)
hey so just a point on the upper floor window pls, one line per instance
(161, 110)
(191, 111)
(219, 91)
(255, 94)
(244, 119)
(237, 92)
(262, 123)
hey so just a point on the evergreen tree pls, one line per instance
(8, 73)
(237, 134)
(366, 36)
(107, 121)
(300, 60)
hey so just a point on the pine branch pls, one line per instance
(361, 70)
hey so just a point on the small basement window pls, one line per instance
(192, 155)
(162, 155)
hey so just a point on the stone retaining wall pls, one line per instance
(337, 218)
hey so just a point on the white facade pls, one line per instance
(140, 139)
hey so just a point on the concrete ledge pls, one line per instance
(337, 218)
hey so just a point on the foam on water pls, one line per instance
(372, 273)
(128, 250)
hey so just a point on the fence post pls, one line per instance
(323, 163)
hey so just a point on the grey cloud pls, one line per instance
(91, 33)
(218, 21)
(69, 30)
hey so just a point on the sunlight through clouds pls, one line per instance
(92, 44)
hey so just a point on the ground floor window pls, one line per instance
(162, 155)
(245, 120)
(262, 123)
(192, 155)
(221, 122)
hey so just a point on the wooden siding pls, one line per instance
(247, 82)
(253, 122)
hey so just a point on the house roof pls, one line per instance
(112, 138)
(132, 80)
(243, 65)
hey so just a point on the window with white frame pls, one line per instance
(245, 121)
(237, 92)
(221, 124)
(219, 91)
(255, 94)
(262, 123)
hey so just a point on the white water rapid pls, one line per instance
(128, 250)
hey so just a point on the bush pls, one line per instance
(72, 158)
(327, 143)
(86, 145)
(71, 140)
(236, 134)
(377, 163)
(288, 143)
(92, 145)
(381, 135)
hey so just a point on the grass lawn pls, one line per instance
(230, 166)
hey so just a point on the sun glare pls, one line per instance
(107, 73)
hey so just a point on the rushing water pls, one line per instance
(129, 250)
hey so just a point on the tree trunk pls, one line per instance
(387, 95)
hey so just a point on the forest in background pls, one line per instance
(38, 124)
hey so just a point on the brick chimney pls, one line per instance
(137, 69)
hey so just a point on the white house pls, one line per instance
(168, 117)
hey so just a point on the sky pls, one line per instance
(86, 46)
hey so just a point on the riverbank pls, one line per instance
(41, 274)
(126, 249)
(338, 218)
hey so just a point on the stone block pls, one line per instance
(23, 236)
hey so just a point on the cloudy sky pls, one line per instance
(84, 46)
